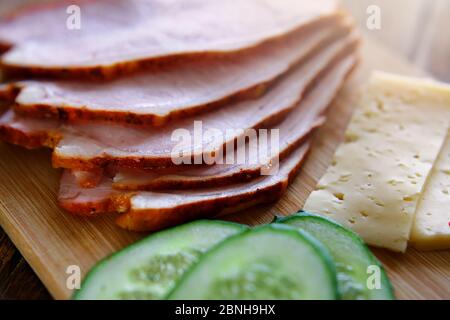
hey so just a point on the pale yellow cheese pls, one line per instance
(378, 174)
(431, 230)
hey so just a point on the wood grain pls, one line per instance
(51, 240)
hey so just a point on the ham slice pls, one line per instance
(90, 145)
(181, 89)
(149, 211)
(8, 92)
(40, 22)
(122, 35)
(29, 132)
(307, 116)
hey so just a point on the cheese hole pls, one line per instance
(369, 114)
(351, 137)
(364, 214)
(344, 177)
(394, 182)
(339, 196)
(408, 199)
(374, 200)
(352, 221)
(380, 105)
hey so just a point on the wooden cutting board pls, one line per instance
(51, 239)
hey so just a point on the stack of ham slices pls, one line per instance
(108, 96)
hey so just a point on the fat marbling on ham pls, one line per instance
(151, 211)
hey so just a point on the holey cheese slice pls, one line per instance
(431, 230)
(378, 174)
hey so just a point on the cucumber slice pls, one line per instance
(270, 262)
(150, 268)
(351, 256)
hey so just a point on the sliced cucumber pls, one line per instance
(270, 262)
(150, 268)
(351, 256)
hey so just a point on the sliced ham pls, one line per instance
(123, 35)
(8, 92)
(44, 21)
(292, 132)
(181, 89)
(151, 211)
(84, 201)
(29, 132)
(90, 145)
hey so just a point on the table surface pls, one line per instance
(410, 27)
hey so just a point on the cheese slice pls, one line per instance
(378, 174)
(431, 230)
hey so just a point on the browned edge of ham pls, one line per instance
(8, 92)
(27, 133)
(103, 199)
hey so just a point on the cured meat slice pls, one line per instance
(90, 145)
(29, 132)
(156, 210)
(209, 176)
(88, 201)
(292, 131)
(41, 22)
(124, 34)
(151, 211)
(8, 92)
(180, 90)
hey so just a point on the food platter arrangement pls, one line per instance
(154, 126)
